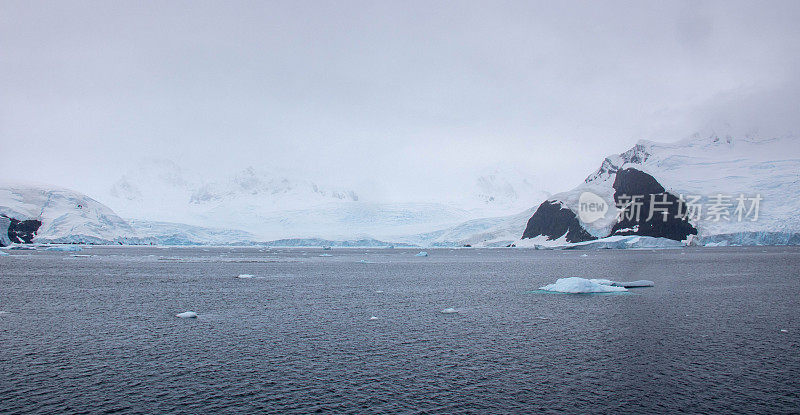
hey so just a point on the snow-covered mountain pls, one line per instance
(502, 190)
(736, 190)
(45, 214)
(274, 204)
(60, 215)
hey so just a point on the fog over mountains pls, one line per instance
(162, 206)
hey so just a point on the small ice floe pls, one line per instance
(245, 276)
(187, 314)
(3, 253)
(449, 311)
(584, 255)
(634, 284)
(373, 318)
(379, 292)
(422, 253)
(67, 248)
(364, 261)
(326, 255)
(577, 285)
(784, 331)
(625, 284)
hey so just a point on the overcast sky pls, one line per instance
(414, 95)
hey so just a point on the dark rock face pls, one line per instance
(553, 220)
(648, 209)
(22, 231)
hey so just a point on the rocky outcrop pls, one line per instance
(648, 209)
(636, 194)
(17, 231)
(553, 220)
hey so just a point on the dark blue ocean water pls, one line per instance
(98, 334)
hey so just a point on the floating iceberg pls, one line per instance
(628, 284)
(422, 253)
(187, 314)
(373, 318)
(577, 285)
(245, 276)
(67, 248)
(634, 284)
(3, 253)
(326, 255)
(449, 311)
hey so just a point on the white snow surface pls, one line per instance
(577, 285)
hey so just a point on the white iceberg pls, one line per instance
(67, 248)
(577, 285)
(373, 318)
(422, 253)
(326, 255)
(245, 276)
(187, 314)
(449, 311)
